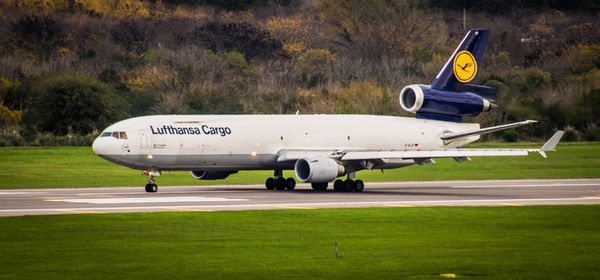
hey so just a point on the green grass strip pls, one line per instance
(534, 242)
(80, 167)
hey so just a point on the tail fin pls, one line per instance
(461, 68)
(451, 96)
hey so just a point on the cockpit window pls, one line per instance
(115, 134)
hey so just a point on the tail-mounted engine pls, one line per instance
(432, 103)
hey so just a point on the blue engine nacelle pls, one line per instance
(445, 105)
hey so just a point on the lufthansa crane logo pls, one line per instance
(465, 67)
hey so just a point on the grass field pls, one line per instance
(536, 242)
(80, 167)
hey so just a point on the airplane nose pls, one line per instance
(99, 146)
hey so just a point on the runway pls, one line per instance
(19, 202)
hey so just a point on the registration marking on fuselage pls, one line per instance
(126, 200)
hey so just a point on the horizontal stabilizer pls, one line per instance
(451, 136)
(483, 91)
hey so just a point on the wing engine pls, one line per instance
(318, 169)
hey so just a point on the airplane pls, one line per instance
(320, 148)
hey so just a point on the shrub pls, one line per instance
(74, 104)
(242, 37)
(41, 35)
(510, 135)
(132, 35)
(571, 134)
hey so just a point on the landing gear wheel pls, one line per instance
(348, 185)
(270, 183)
(338, 185)
(319, 186)
(290, 184)
(151, 188)
(280, 184)
(359, 185)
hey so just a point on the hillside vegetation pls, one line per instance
(68, 68)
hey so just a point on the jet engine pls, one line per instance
(211, 175)
(432, 103)
(318, 170)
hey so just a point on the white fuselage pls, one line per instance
(254, 142)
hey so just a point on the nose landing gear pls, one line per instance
(151, 186)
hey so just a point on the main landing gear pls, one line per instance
(348, 185)
(280, 183)
(151, 186)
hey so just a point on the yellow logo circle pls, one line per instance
(465, 67)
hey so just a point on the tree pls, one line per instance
(74, 104)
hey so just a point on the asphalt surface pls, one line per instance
(19, 202)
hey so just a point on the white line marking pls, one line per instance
(525, 186)
(314, 204)
(124, 200)
(24, 192)
(1, 193)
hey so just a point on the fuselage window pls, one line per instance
(115, 134)
(123, 135)
(106, 134)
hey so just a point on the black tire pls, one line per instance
(348, 185)
(359, 186)
(151, 188)
(270, 183)
(290, 184)
(338, 185)
(280, 184)
(319, 186)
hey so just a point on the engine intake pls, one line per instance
(211, 175)
(427, 102)
(318, 170)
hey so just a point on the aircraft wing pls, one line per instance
(451, 136)
(419, 155)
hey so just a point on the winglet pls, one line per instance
(550, 145)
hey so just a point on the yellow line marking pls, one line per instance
(448, 275)
(81, 211)
(590, 197)
(511, 204)
(293, 207)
